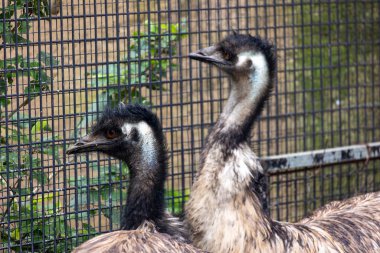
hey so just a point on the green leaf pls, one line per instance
(176, 199)
(88, 229)
(152, 27)
(23, 27)
(134, 68)
(174, 28)
(34, 64)
(53, 152)
(22, 120)
(30, 161)
(133, 54)
(11, 38)
(48, 59)
(3, 102)
(81, 198)
(15, 234)
(116, 214)
(164, 28)
(79, 182)
(112, 196)
(33, 90)
(105, 75)
(40, 126)
(40, 176)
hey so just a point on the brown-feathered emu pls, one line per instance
(134, 135)
(223, 213)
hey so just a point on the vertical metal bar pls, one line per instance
(356, 83)
(201, 85)
(18, 137)
(66, 197)
(180, 67)
(53, 140)
(169, 22)
(192, 141)
(305, 147)
(373, 84)
(295, 126)
(313, 113)
(366, 111)
(7, 212)
(76, 207)
(348, 56)
(97, 88)
(88, 201)
(332, 118)
(29, 118)
(120, 99)
(340, 171)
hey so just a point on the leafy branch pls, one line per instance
(145, 64)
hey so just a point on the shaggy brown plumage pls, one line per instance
(223, 213)
(145, 239)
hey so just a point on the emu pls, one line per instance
(134, 135)
(223, 212)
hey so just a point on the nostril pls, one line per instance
(201, 53)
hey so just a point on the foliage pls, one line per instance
(176, 200)
(144, 66)
(14, 30)
(35, 220)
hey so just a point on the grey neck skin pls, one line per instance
(248, 94)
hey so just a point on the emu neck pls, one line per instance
(145, 201)
(222, 207)
(247, 97)
(248, 94)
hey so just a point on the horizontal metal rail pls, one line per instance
(323, 157)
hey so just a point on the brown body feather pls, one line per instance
(223, 213)
(145, 239)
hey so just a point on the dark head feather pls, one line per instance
(131, 113)
(235, 44)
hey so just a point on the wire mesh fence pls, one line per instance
(62, 62)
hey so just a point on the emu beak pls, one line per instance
(209, 55)
(87, 143)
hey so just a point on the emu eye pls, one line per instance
(111, 134)
(249, 64)
(226, 55)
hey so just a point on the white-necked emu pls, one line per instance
(134, 135)
(223, 212)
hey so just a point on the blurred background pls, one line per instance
(63, 61)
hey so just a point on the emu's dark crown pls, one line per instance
(226, 53)
(117, 131)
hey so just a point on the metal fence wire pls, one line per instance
(62, 62)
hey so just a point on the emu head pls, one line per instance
(239, 56)
(131, 133)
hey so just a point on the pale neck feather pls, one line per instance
(247, 92)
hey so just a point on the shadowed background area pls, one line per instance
(62, 62)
